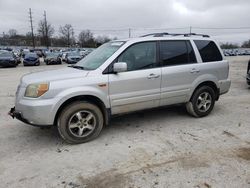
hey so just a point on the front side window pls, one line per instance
(139, 56)
(208, 50)
(176, 53)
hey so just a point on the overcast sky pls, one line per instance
(142, 16)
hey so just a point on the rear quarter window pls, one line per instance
(208, 50)
(176, 53)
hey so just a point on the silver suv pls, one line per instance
(124, 76)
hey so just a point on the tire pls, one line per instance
(73, 125)
(202, 102)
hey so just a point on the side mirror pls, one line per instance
(120, 67)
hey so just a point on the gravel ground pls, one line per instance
(155, 148)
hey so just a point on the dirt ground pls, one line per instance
(155, 148)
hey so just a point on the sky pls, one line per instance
(225, 20)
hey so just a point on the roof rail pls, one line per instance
(175, 34)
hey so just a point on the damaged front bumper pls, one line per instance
(18, 115)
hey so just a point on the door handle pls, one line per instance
(194, 70)
(153, 76)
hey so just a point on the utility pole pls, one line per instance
(31, 26)
(190, 30)
(129, 32)
(46, 30)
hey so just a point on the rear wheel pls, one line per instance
(80, 122)
(202, 102)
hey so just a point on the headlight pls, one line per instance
(36, 90)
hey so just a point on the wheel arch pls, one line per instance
(89, 98)
(210, 84)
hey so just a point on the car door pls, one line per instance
(139, 87)
(179, 70)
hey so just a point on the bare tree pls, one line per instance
(102, 39)
(246, 44)
(45, 32)
(67, 32)
(12, 32)
(86, 38)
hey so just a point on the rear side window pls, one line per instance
(208, 50)
(176, 53)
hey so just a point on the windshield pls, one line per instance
(6, 54)
(52, 55)
(96, 58)
(31, 55)
(73, 54)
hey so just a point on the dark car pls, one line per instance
(248, 73)
(31, 59)
(7, 59)
(39, 52)
(73, 57)
(52, 58)
(24, 52)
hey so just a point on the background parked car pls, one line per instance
(73, 57)
(24, 52)
(39, 52)
(7, 59)
(52, 58)
(31, 59)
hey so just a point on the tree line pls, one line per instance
(45, 36)
(245, 44)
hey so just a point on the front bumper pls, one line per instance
(72, 61)
(18, 115)
(40, 112)
(30, 62)
(8, 64)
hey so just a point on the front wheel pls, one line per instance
(80, 122)
(202, 102)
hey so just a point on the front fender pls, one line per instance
(80, 91)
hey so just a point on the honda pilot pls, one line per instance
(124, 76)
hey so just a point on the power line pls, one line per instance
(221, 28)
(31, 26)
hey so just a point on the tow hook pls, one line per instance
(12, 112)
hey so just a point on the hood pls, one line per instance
(6, 58)
(74, 57)
(31, 58)
(53, 75)
(50, 58)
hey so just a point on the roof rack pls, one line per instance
(175, 34)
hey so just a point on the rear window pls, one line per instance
(208, 50)
(176, 53)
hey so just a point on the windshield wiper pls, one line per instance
(77, 67)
